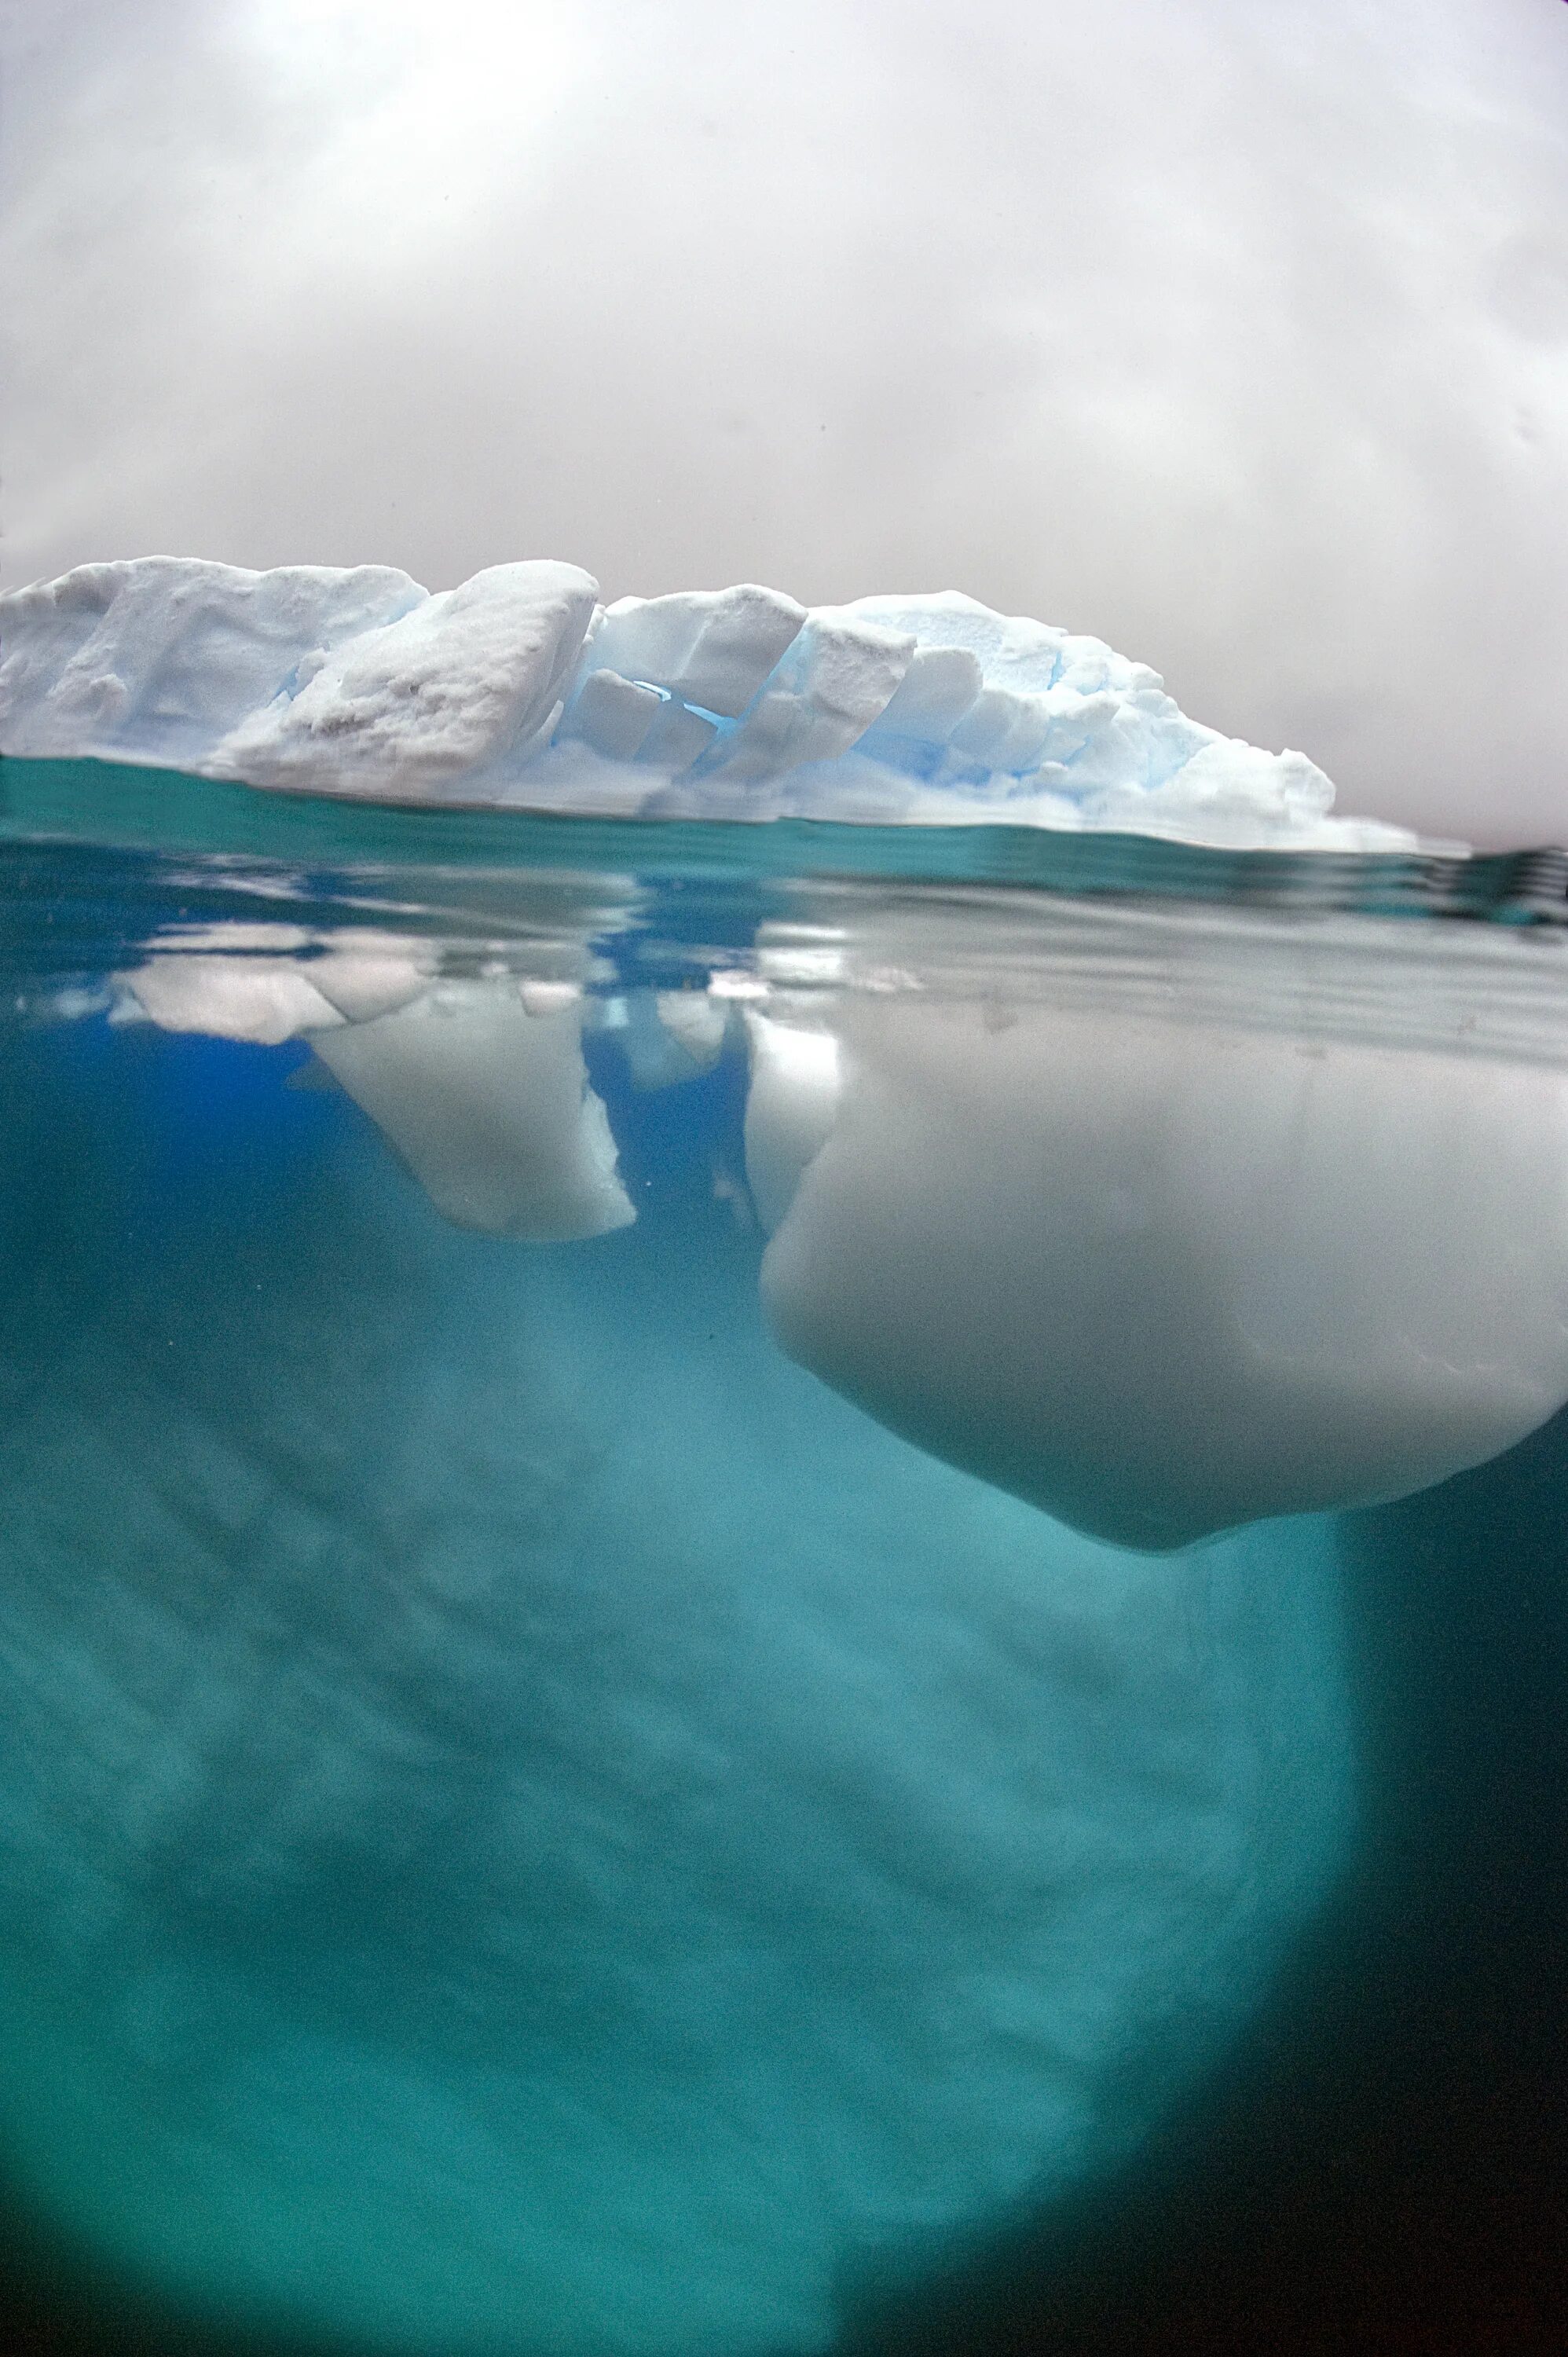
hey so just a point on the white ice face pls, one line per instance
(1160, 1277)
(735, 703)
(489, 1107)
(790, 1108)
(156, 657)
(454, 687)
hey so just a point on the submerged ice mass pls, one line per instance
(1163, 1280)
(1160, 1264)
(488, 1102)
(520, 688)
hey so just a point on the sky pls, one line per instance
(1235, 334)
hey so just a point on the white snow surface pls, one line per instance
(519, 687)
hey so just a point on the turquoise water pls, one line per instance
(529, 1819)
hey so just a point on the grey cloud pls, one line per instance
(1239, 338)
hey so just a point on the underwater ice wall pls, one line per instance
(521, 687)
(1163, 1276)
(1207, 1244)
(526, 1823)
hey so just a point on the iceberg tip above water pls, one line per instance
(519, 687)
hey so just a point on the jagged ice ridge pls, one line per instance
(519, 687)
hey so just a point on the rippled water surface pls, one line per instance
(774, 1589)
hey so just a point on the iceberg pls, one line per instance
(791, 1107)
(454, 689)
(1159, 1278)
(519, 687)
(156, 659)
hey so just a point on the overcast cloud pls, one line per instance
(1234, 333)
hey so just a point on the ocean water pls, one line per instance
(582, 1769)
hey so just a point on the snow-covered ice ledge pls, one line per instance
(519, 687)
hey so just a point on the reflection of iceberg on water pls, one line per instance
(249, 982)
